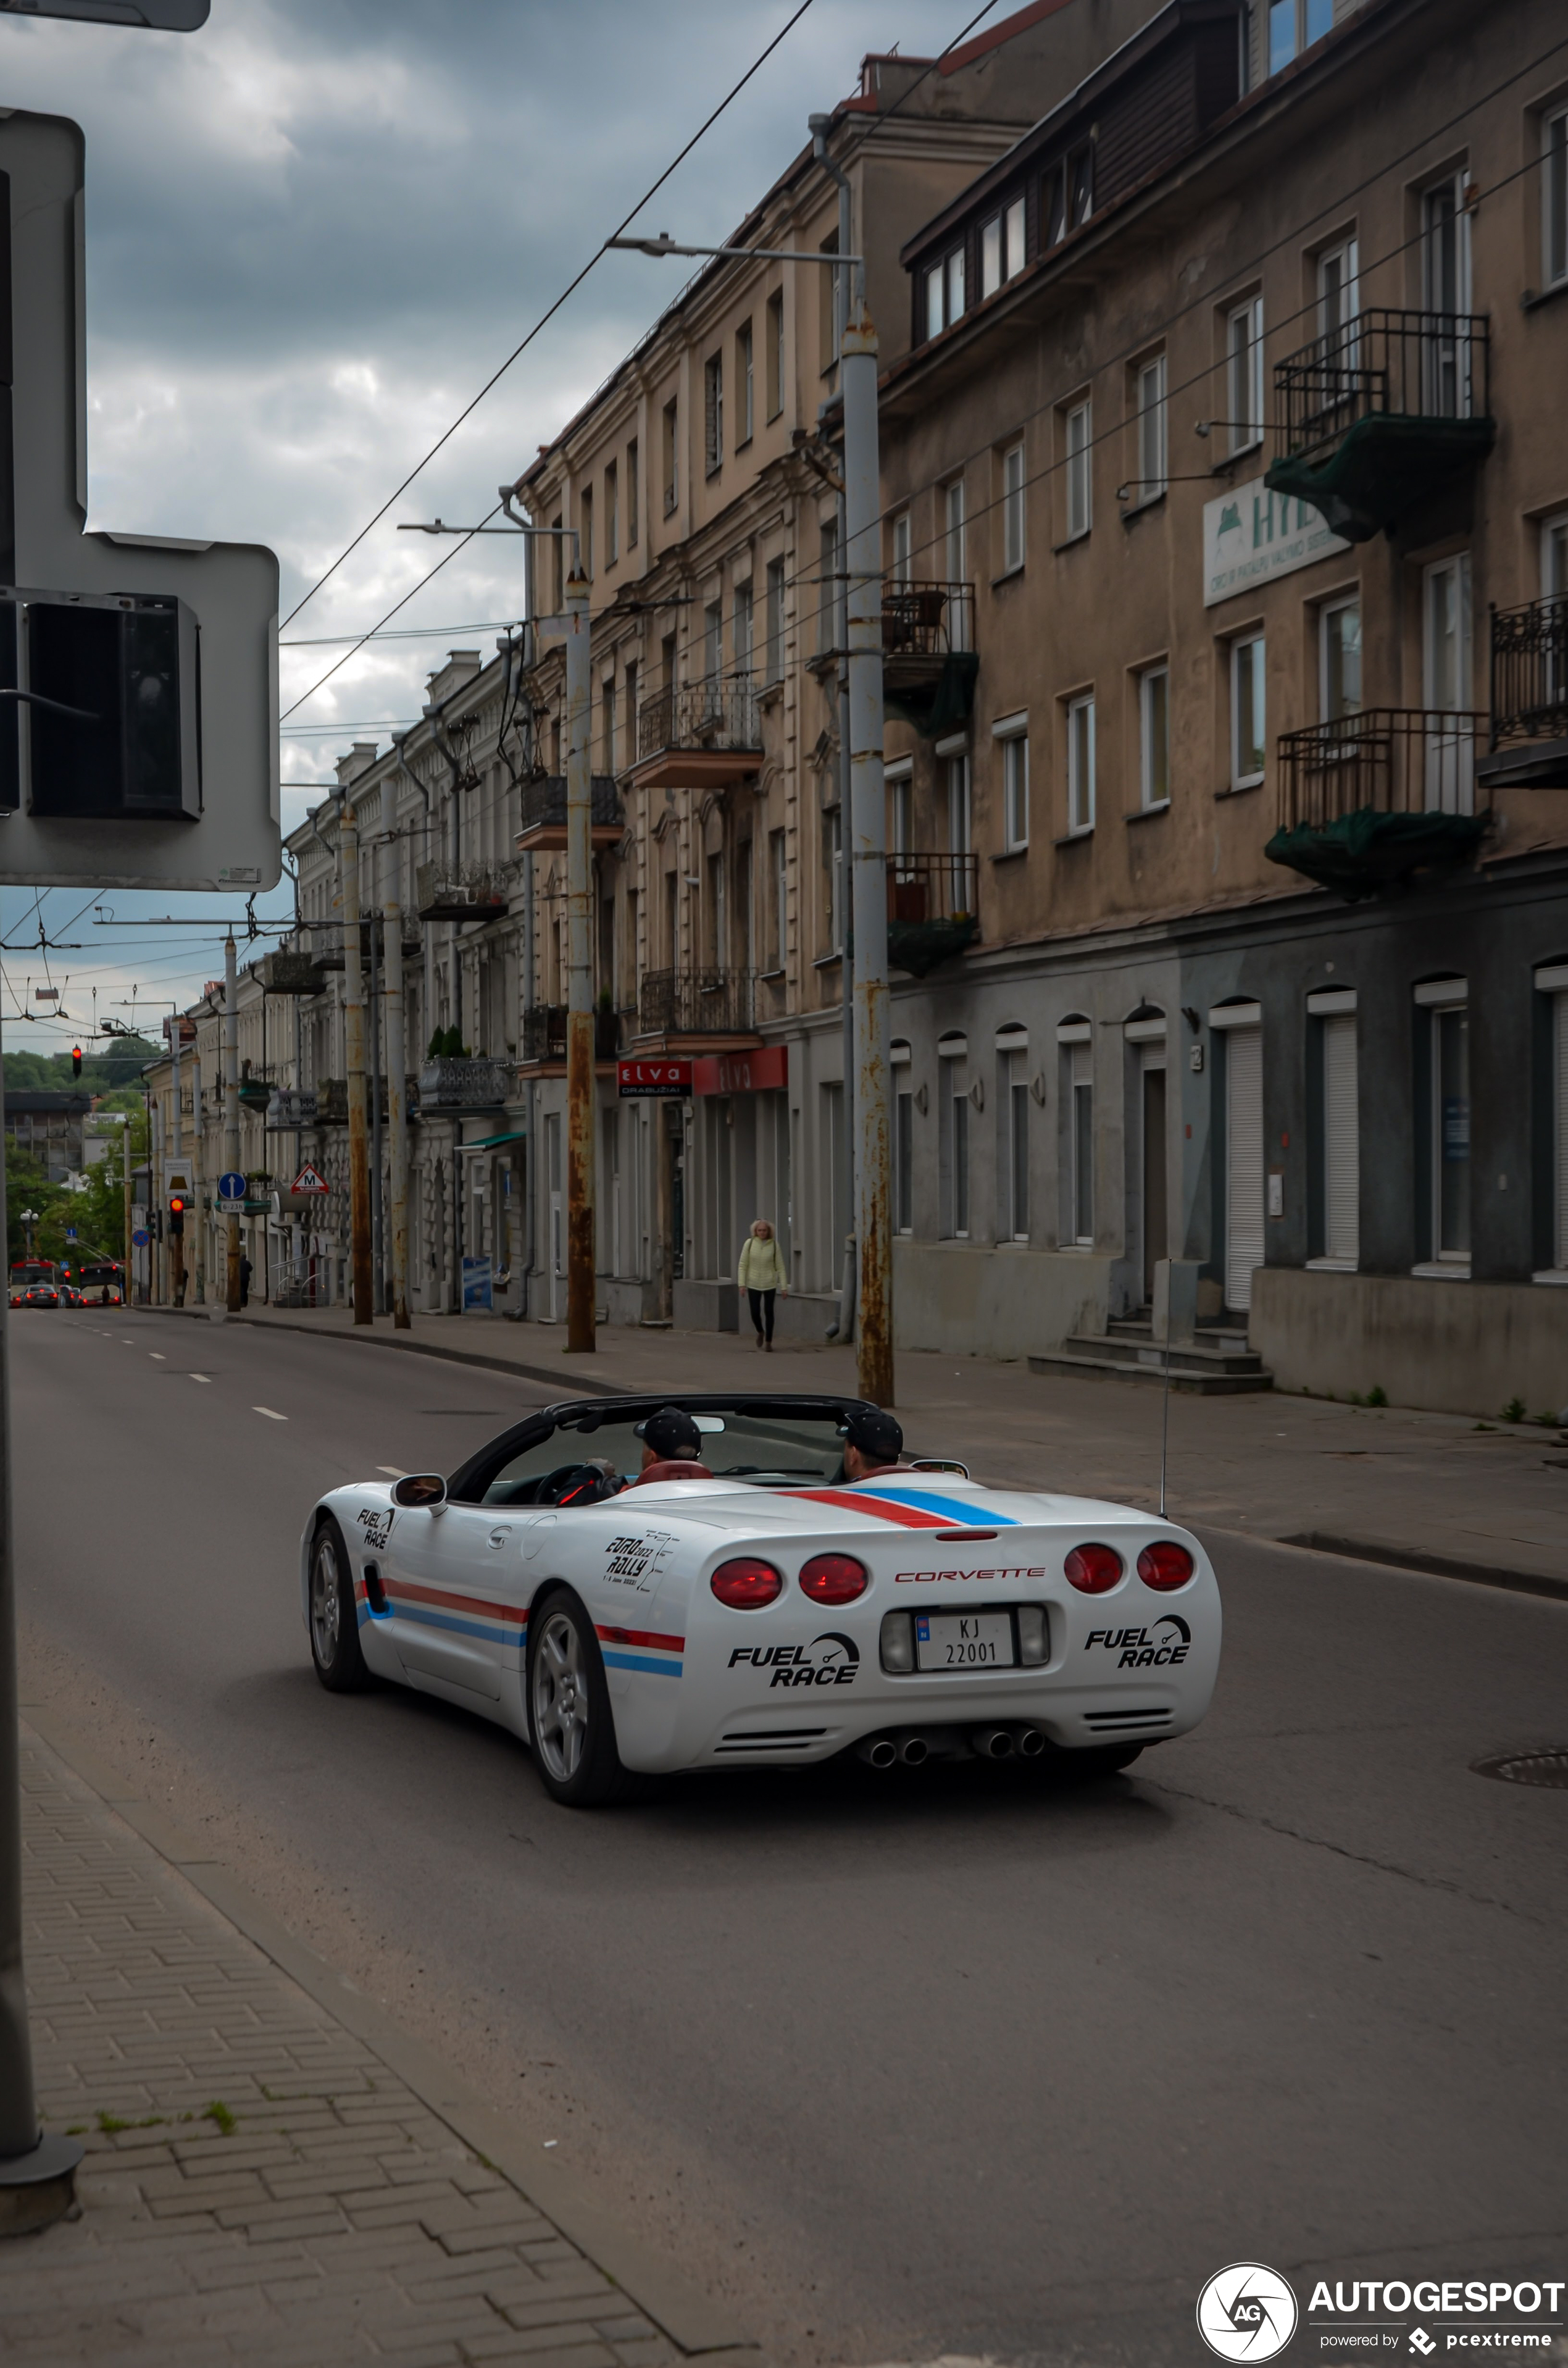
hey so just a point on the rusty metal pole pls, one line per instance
(354, 1062)
(580, 1292)
(232, 1111)
(397, 1121)
(867, 842)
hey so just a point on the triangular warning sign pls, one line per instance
(307, 1180)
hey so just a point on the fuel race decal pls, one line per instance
(377, 1525)
(830, 1660)
(1143, 1648)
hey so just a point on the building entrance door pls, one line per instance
(1243, 1162)
(1156, 1213)
(555, 1215)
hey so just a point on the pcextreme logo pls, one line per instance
(1246, 2312)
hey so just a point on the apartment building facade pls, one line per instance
(1247, 439)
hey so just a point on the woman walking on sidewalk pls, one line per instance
(760, 1274)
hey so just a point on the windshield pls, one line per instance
(773, 1450)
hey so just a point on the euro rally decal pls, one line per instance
(830, 1660)
(1143, 1648)
(375, 1523)
(638, 1562)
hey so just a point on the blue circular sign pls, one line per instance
(141, 1237)
(231, 1187)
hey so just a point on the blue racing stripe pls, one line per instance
(641, 1661)
(963, 1512)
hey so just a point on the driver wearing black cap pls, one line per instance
(672, 1447)
(873, 1442)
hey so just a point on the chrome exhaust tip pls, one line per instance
(913, 1750)
(1030, 1743)
(994, 1742)
(878, 1751)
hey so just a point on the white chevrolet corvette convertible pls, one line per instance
(769, 1610)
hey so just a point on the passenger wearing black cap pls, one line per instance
(672, 1447)
(873, 1443)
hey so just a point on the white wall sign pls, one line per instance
(1251, 535)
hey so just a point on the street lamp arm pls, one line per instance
(664, 244)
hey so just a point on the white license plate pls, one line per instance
(964, 1640)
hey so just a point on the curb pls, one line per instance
(694, 2321)
(1390, 1554)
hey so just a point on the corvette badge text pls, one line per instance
(1249, 2312)
(827, 1660)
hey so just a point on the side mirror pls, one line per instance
(939, 1463)
(420, 1488)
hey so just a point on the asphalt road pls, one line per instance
(949, 2061)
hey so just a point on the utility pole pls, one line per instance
(232, 1111)
(580, 1291)
(391, 989)
(125, 1177)
(353, 1061)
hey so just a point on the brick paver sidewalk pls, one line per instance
(259, 2184)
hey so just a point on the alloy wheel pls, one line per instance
(560, 1697)
(326, 1601)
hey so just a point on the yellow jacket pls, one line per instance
(762, 1264)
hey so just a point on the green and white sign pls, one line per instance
(1251, 535)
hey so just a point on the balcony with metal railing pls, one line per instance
(716, 1005)
(928, 659)
(706, 736)
(1529, 744)
(543, 1041)
(1379, 413)
(543, 821)
(475, 889)
(461, 1082)
(933, 909)
(1368, 800)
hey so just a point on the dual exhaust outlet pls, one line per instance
(912, 1746)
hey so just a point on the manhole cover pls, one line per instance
(1550, 1768)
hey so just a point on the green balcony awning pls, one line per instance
(1381, 468)
(493, 1142)
(1360, 854)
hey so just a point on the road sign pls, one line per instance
(307, 1180)
(70, 1232)
(155, 765)
(231, 1186)
(140, 1238)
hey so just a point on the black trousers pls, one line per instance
(762, 1312)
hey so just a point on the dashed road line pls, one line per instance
(392, 1471)
(201, 1377)
(270, 1414)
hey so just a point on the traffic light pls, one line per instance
(75, 1060)
(112, 731)
(176, 1212)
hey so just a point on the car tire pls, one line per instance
(571, 1725)
(331, 1616)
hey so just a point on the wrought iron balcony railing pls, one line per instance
(452, 1082)
(1387, 760)
(544, 807)
(468, 891)
(926, 621)
(710, 718)
(933, 909)
(1405, 365)
(1530, 671)
(544, 1033)
(697, 1003)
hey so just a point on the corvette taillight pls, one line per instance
(1092, 1569)
(834, 1578)
(1164, 1564)
(746, 1584)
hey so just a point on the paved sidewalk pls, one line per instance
(1473, 1498)
(263, 2184)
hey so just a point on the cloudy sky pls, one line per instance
(314, 229)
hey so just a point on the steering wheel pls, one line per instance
(573, 1483)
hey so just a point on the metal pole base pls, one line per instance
(38, 2187)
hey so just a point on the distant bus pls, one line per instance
(26, 1271)
(100, 1275)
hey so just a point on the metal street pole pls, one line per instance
(232, 1114)
(354, 1062)
(580, 1293)
(397, 1127)
(176, 1241)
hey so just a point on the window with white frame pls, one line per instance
(1339, 292)
(1149, 385)
(902, 1137)
(1248, 715)
(713, 412)
(1155, 737)
(958, 837)
(1554, 587)
(776, 353)
(1014, 743)
(612, 515)
(901, 804)
(900, 571)
(1337, 1146)
(1080, 765)
(1554, 198)
(1002, 248)
(1293, 25)
(779, 899)
(1080, 1119)
(1012, 509)
(1443, 1022)
(833, 879)
(775, 596)
(1243, 373)
(945, 293)
(1340, 660)
(741, 633)
(955, 535)
(745, 391)
(1079, 440)
(1014, 1118)
(955, 1146)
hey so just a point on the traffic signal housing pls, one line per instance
(105, 726)
(75, 1060)
(176, 1212)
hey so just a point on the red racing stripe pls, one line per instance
(904, 1516)
(403, 1589)
(643, 1637)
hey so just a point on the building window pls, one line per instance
(954, 533)
(776, 354)
(828, 304)
(712, 648)
(1558, 1119)
(607, 723)
(558, 544)
(1079, 443)
(955, 1148)
(713, 412)
(745, 398)
(672, 455)
(1445, 221)
(1016, 1105)
(1339, 660)
(901, 546)
(1243, 369)
(1554, 200)
(1067, 196)
(1002, 248)
(902, 1143)
(1081, 1146)
(958, 838)
(1247, 712)
(945, 293)
(1294, 26)
(1339, 1155)
(1554, 557)
(718, 913)
(741, 633)
(586, 531)
(1448, 1056)
(634, 495)
(1148, 387)
(1012, 509)
(776, 620)
(1339, 289)
(901, 799)
(613, 515)
(778, 900)
(1155, 737)
(833, 879)
(1016, 791)
(832, 589)
(1080, 765)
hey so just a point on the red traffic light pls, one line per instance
(75, 1060)
(176, 1204)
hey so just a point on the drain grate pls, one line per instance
(1548, 1767)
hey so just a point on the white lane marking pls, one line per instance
(269, 1412)
(157, 1354)
(201, 1377)
(392, 1470)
